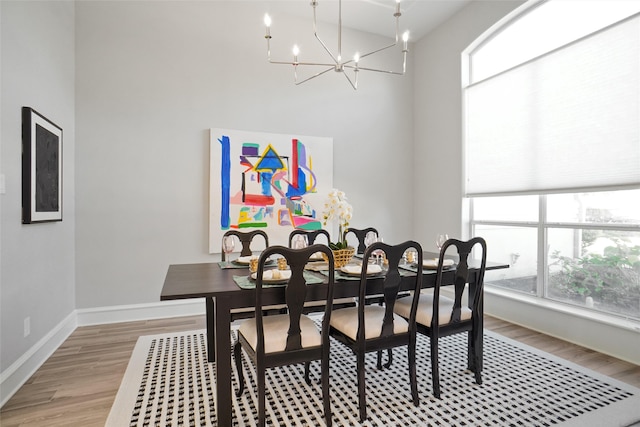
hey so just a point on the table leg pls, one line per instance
(223, 361)
(211, 333)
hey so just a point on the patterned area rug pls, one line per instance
(169, 383)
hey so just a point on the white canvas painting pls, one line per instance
(272, 182)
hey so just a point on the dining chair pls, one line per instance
(439, 316)
(289, 338)
(360, 235)
(368, 328)
(246, 238)
(312, 235)
(314, 306)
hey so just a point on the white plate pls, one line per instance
(433, 263)
(245, 260)
(354, 270)
(316, 257)
(268, 276)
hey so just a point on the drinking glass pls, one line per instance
(370, 238)
(379, 253)
(440, 240)
(300, 241)
(228, 244)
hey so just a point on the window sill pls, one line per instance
(584, 313)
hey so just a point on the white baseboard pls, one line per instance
(12, 378)
(135, 312)
(22, 369)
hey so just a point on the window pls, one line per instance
(552, 147)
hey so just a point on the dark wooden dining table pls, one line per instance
(221, 293)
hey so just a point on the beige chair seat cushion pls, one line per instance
(425, 309)
(275, 332)
(346, 321)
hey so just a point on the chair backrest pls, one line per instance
(245, 237)
(360, 235)
(312, 235)
(464, 249)
(392, 280)
(295, 291)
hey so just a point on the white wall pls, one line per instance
(37, 278)
(438, 117)
(153, 77)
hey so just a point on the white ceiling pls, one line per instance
(376, 16)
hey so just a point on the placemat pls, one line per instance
(236, 265)
(246, 282)
(414, 268)
(343, 276)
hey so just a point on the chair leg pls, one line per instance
(389, 358)
(261, 396)
(362, 400)
(412, 372)
(435, 373)
(307, 378)
(476, 361)
(471, 361)
(326, 399)
(237, 356)
(478, 375)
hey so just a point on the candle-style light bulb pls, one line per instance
(356, 58)
(405, 39)
(296, 51)
(267, 24)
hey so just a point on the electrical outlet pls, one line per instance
(27, 326)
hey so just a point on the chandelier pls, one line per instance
(336, 62)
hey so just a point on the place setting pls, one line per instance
(273, 277)
(242, 262)
(353, 271)
(410, 261)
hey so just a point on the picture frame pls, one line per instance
(41, 168)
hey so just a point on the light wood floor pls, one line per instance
(77, 385)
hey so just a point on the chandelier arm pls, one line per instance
(377, 50)
(397, 38)
(335, 60)
(301, 63)
(315, 33)
(399, 73)
(315, 75)
(354, 86)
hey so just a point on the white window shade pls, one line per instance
(568, 120)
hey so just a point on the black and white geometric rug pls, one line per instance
(169, 383)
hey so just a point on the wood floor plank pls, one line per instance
(76, 386)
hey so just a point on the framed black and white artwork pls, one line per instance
(41, 168)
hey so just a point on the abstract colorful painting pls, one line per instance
(273, 182)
